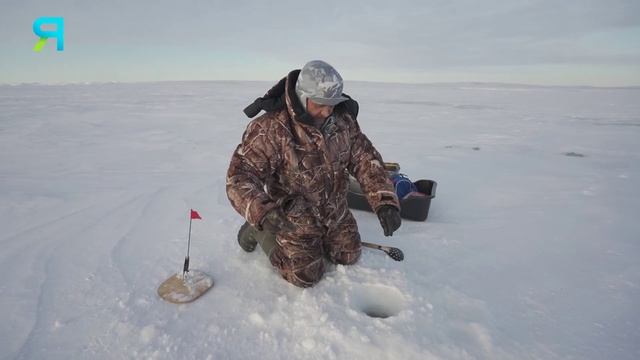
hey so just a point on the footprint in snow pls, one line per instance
(574, 154)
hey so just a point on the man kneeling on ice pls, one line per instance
(289, 176)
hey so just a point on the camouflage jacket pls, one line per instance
(282, 155)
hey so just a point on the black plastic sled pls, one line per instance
(412, 207)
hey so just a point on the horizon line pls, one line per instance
(498, 83)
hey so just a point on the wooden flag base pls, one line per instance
(179, 291)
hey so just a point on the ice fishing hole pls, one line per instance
(378, 301)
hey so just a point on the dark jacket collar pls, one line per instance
(283, 94)
(294, 106)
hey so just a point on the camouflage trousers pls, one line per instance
(299, 255)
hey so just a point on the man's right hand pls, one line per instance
(276, 221)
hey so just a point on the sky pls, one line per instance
(543, 42)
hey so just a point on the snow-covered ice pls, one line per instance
(531, 249)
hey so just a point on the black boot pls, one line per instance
(246, 237)
(249, 237)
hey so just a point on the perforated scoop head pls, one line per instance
(396, 254)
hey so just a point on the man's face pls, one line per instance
(318, 111)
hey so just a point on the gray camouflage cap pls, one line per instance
(321, 83)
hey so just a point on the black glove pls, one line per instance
(276, 221)
(389, 217)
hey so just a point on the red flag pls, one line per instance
(195, 215)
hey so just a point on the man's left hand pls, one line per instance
(389, 217)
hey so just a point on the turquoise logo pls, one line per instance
(58, 33)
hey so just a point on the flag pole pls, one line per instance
(185, 268)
